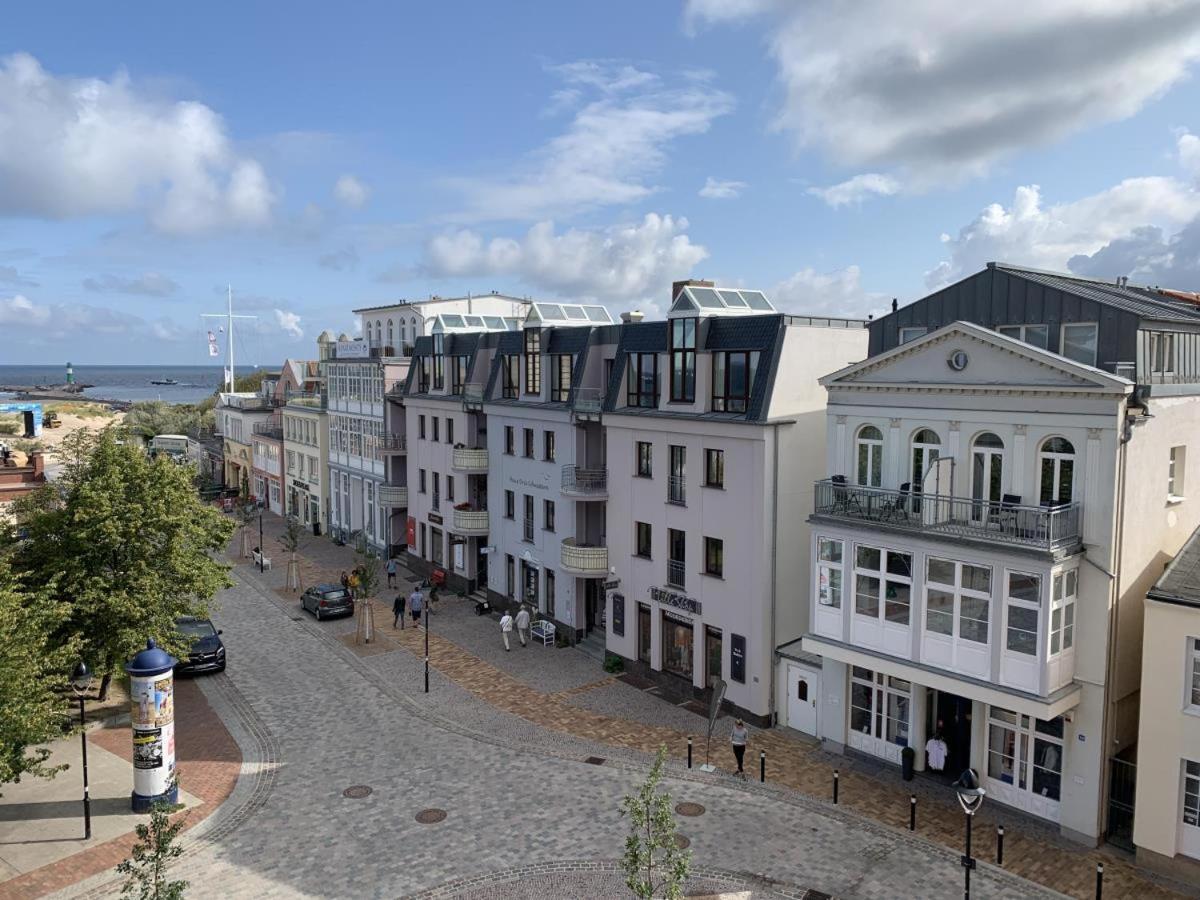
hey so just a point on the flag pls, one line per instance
(213, 351)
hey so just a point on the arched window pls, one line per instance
(1056, 462)
(870, 456)
(378, 332)
(987, 468)
(391, 333)
(926, 447)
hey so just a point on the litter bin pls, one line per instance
(907, 758)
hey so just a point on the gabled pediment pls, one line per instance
(966, 356)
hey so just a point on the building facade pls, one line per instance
(306, 460)
(237, 415)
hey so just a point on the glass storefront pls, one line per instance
(879, 713)
(1024, 761)
(712, 653)
(677, 656)
(644, 638)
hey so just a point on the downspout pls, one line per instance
(772, 711)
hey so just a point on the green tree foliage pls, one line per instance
(654, 865)
(367, 568)
(125, 541)
(157, 846)
(150, 418)
(34, 667)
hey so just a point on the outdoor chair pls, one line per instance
(543, 630)
(1007, 514)
(260, 560)
(844, 499)
(896, 506)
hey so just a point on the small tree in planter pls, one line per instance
(654, 865)
(291, 540)
(247, 512)
(146, 869)
(367, 570)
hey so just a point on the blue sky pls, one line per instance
(320, 158)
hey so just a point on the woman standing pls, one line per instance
(739, 737)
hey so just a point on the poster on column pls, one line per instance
(152, 714)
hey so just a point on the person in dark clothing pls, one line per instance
(398, 611)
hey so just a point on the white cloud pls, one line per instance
(75, 147)
(721, 190)
(618, 264)
(940, 94)
(857, 189)
(289, 323)
(351, 192)
(607, 76)
(836, 293)
(61, 320)
(20, 310)
(608, 155)
(151, 284)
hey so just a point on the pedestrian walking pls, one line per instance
(416, 603)
(354, 584)
(398, 611)
(391, 571)
(522, 623)
(506, 627)
(739, 737)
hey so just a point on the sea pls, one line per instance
(127, 382)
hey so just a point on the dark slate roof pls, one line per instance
(741, 332)
(568, 340)
(510, 342)
(1180, 583)
(1143, 302)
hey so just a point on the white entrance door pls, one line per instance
(804, 686)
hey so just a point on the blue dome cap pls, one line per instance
(151, 661)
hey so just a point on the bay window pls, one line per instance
(957, 614)
(882, 598)
(1062, 628)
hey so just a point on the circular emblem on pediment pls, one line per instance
(957, 360)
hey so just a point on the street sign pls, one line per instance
(612, 584)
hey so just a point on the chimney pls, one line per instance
(632, 317)
(677, 286)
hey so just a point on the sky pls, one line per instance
(321, 157)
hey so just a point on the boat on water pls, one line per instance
(163, 381)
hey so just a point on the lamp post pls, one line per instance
(427, 645)
(261, 551)
(970, 798)
(81, 682)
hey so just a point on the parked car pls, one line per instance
(207, 653)
(325, 600)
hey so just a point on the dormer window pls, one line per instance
(458, 374)
(731, 381)
(642, 382)
(533, 361)
(510, 369)
(423, 376)
(439, 372)
(683, 360)
(560, 388)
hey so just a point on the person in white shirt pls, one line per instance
(506, 627)
(522, 623)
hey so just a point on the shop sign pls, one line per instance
(613, 584)
(679, 601)
(353, 350)
(299, 485)
(737, 658)
(435, 518)
(618, 615)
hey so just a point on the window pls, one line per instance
(957, 592)
(458, 374)
(677, 474)
(424, 554)
(641, 388)
(548, 445)
(1062, 613)
(879, 706)
(437, 491)
(510, 505)
(1023, 607)
(987, 473)
(1025, 753)
(528, 435)
(677, 656)
(714, 468)
(676, 556)
(829, 573)
(450, 488)
(437, 548)
(1079, 343)
(1175, 471)
(731, 382)
(645, 459)
(550, 593)
(1036, 335)
(714, 557)
(560, 386)
(644, 638)
(528, 532)
(510, 368)
(437, 428)
(869, 447)
(641, 546)
(508, 440)
(548, 515)
(449, 431)
(421, 481)
(683, 360)
(439, 373)
(533, 361)
(713, 639)
(421, 427)
(510, 575)
(911, 333)
(1057, 464)
(1162, 353)
(926, 448)
(882, 584)
(423, 376)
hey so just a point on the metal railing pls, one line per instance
(471, 520)
(391, 443)
(677, 489)
(269, 430)
(1007, 521)
(527, 532)
(307, 400)
(676, 569)
(577, 480)
(588, 401)
(470, 459)
(583, 559)
(472, 393)
(393, 495)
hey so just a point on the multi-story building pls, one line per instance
(237, 415)
(266, 480)
(992, 517)
(306, 459)
(711, 423)
(1166, 829)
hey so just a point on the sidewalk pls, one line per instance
(567, 692)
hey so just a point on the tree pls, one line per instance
(125, 541)
(150, 418)
(247, 512)
(290, 540)
(654, 865)
(33, 670)
(367, 569)
(146, 869)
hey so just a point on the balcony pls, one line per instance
(584, 559)
(471, 521)
(472, 394)
(393, 443)
(589, 402)
(586, 484)
(271, 430)
(393, 495)
(307, 400)
(473, 460)
(1009, 522)
(677, 490)
(676, 570)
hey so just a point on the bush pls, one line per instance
(613, 664)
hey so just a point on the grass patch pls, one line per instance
(82, 409)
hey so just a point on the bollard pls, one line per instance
(762, 766)
(835, 786)
(689, 751)
(1099, 880)
(999, 845)
(912, 813)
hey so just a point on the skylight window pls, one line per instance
(757, 300)
(493, 322)
(453, 321)
(575, 312)
(550, 311)
(597, 313)
(732, 298)
(707, 298)
(475, 321)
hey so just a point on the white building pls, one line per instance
(306, 460)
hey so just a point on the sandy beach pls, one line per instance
(74, 415)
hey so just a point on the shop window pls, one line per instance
(829, 573)
(1025, 753)
(677, 652)
(879, 706)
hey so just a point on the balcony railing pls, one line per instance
(393, 495)
(393, 443)
(470, 459)
(584, 559)
(472, 393)
(527, 532)
(677, 489)
(1005, 522)
(584, 482)
(588, 401)
(269, 430)
(676, 570)
(308, 400)
(471, 521)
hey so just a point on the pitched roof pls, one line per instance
(1148, 303)
(1180, 583)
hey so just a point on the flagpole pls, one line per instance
(228, 316)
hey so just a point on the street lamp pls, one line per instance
(261, 551)
(81, 682)
(970, 798)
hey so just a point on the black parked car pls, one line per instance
(325, 600)
(207, 653)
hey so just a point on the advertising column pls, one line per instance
(152, 712)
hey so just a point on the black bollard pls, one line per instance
(912, 813)
(835, 786)
(762, 766)
(689, 752)
(999, 845)
(1099, 880)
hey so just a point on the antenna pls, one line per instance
(230, 375)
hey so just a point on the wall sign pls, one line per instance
(737, 658)
(353, 350)
(679, 601)
(435, 518)
(299, 485)
(618, 615)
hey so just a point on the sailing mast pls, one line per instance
(230, 374)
